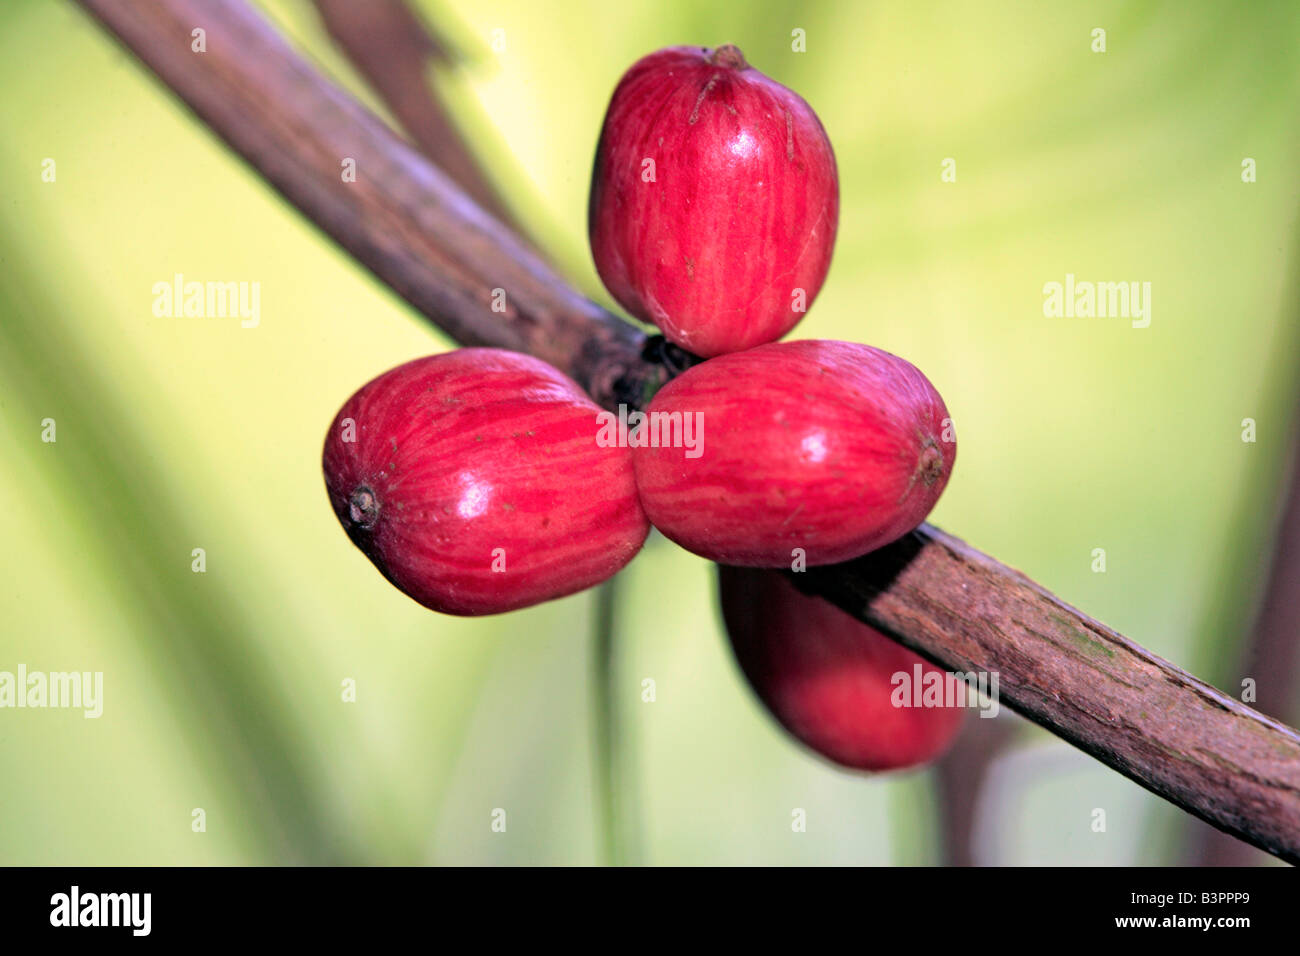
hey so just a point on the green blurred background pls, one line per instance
(222, 690)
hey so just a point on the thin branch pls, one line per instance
(409, 223)
(1272, 657)
(1178, 737)
(611, 761)
(402, 217)
(960, 776)
(393, 49)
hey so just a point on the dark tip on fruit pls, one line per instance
(729, 57)
(363, 509)
(929, 467)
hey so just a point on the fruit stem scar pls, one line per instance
(929, 466)
(363, 508)
(729, 57)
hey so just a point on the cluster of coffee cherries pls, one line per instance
(482, 481)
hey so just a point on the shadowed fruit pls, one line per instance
(474, 482)
(828, 679)
(814, 449)
(714, 200)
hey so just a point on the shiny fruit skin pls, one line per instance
(830, 447)
(458, 455)
(742, 209)
(827, 678)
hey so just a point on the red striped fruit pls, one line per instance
(831, 681)
(474, 481)
(830, 447)
(714, 200)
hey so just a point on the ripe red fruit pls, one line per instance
(831, 447)
(714, 198)
(475, 484)
(829, 679)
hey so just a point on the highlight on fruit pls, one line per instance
(483, 481)
(714, 200)
(831, 448)
(457, 476)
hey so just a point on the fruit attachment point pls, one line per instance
(730, 57)
(929, 467)
(363, 508)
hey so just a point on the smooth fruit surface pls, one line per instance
(830, 680)
(714, 200)
(475, 484)
(830, 447)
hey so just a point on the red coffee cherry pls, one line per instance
(474, 481)
(831, 681)
(829, 447)
(714, 200)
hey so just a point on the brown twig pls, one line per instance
(1178, 737)
(393, 49)
(960, 776)
(402, 217)
(409, 223)
(1272, 656)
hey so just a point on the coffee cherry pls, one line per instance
(474, 481)
(714, 200)
(830, 680)
(829, 447)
